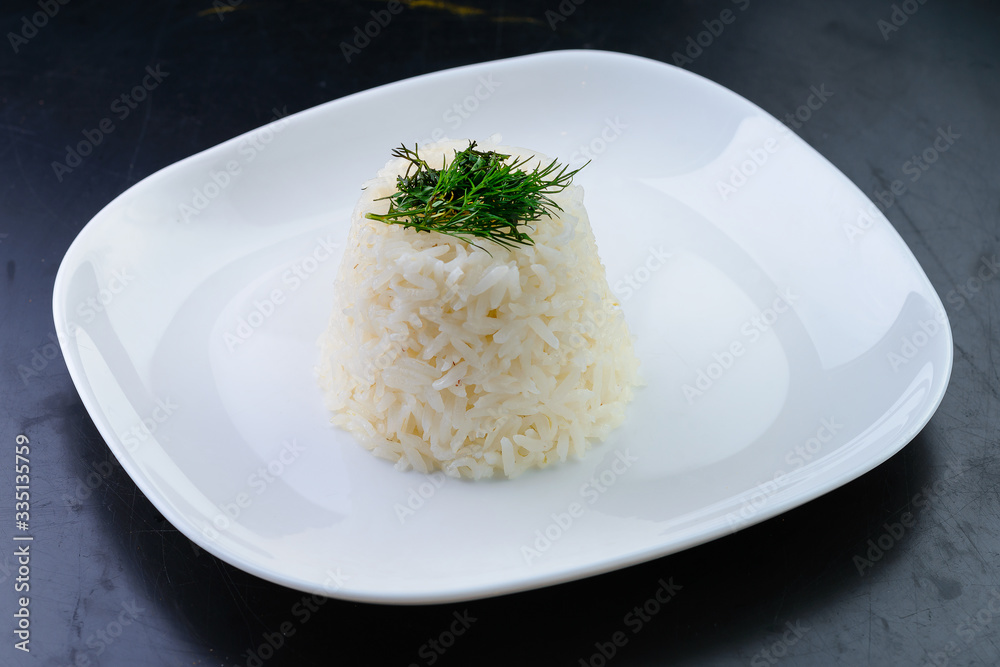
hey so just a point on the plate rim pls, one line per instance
(491, 587)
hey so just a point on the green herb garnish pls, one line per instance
(478, 195)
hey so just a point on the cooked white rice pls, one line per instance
(440, 356)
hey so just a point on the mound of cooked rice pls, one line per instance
(441, 356)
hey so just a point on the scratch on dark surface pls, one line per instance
(75, 619)
(138, 143)
(781, 603)
(990, 640)
(231, 586)
(970, 198)
(987, 326)
(163, 557)
(15, 128)
(112, 489)
(989, 348)
(972, 544)
(923, 241)
(869, 661)
(38, 419)
(957, 512)
(948, 589)
(27, 182)
(11, 267)
(884, 183)
(986, 379)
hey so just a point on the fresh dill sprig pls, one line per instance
(478, 196)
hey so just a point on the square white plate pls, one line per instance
(790, 342)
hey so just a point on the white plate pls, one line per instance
(815, 394)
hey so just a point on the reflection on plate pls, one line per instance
(788, 338)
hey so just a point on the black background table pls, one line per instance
(112, 583)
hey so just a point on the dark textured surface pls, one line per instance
(101, 554)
